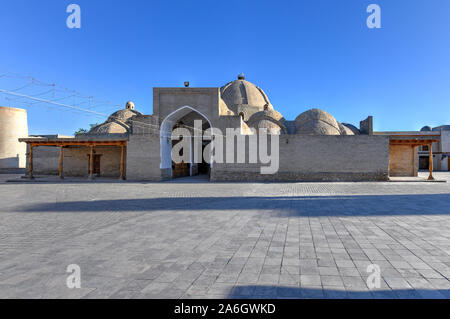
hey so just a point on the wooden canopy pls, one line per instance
(63, 142)
(417, 140)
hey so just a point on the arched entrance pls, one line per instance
(183, 117)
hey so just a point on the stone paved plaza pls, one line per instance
(224, 240)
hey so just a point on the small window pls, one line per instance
(425, 148)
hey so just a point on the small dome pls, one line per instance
(350, 129)
(244, 97)
(267, 113)
(317, 122)
(109, 128)
(345, 130)
(426, 129)
(118, 122)
(123, 115)
(442, 128)
(269, 119)
(272, 128)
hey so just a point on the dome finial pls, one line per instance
(129, 105)
(241, 76)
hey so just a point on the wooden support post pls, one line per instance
(61, 165)
(91, 163)
(122, 162)
(430, 177)
(30, 162)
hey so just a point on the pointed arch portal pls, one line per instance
(166, 143)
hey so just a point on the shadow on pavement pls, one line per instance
(275, 292)
(284, 206)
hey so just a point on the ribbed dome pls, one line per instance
(267, 113)
(272, 128)
(117, 123)
(123, 115)
(109, 128)
(269, 119)
(349, 129)
(317, 122)
(244, 97)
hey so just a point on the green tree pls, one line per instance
(84, 131)
(80, 131)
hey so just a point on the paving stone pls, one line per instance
(172, 240)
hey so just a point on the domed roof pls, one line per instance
(442, 128)
(267, 113)
(272, 127)
(269, 119)
(123, 115)
(426, 129)
(317, 122)
(118, 122)
(244, 97)
(109, 128)
(350, 129)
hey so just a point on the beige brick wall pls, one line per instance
(143, 157)
(319, 158)
(402, 160)
(76, 161)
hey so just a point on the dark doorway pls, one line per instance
(204, 167)
(97, 158)
(180, 169)
(423, 162)
(188, 167)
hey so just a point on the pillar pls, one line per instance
(30, 162)
(430, 161)
(122, 162)
(91, 162)
(61, 165)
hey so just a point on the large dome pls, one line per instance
(243, 97)
(317, 122)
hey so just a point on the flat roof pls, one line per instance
(409, 133)
(81, 139)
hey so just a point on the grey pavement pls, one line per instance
(184, 239)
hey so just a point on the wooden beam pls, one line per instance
(78, 143)
(91, 163)
(430, 177)
(61, 165)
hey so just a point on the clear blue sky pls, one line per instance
(304, 54)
